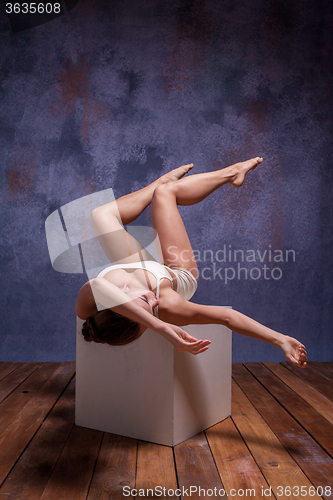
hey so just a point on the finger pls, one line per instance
(195, 347)
(193, 340)
(189, 338)
(199, 351)
(200, 343)
(204, 343)
(202, 350)
(199, 347)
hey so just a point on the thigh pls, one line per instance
(173, 238)
(118, 245)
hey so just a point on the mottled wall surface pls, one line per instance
(115, 93)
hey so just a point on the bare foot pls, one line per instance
(239, 170)
(294, 351)
(176, 174)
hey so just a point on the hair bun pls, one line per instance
(109, 327)
(90, 331)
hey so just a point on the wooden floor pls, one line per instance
(278, 443)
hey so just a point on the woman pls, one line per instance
(139, 293)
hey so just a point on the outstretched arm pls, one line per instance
(181, 312)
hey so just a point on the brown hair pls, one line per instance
(109, 327)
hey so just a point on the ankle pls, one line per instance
(230, 173)
(234, 175)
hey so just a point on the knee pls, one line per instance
(97, 215)
(164, 190)
(109, 210)
(105, 218)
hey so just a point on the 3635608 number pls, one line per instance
(303, 491)
(33, 8)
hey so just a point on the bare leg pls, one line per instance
(132, 205)
(175, 244)
(108, 220)
(195, 188)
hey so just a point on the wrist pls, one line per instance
(154, 323)
(279, 339)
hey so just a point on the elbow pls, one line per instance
(226, 319)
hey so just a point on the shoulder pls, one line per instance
(85, 303)
(174, 309)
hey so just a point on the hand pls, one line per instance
(182, 341)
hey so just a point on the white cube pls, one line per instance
(148, 390)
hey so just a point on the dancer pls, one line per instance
(137, 292)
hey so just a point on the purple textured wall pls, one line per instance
(114, 93)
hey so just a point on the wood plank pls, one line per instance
(115, 468)
(325, 369)
(17, 435)
(17, 400)
(15, 378)
(39, 470)
(72, 475)
(6, 367)
(278, 467)
(314, 423)
(156, 467)
(317, 400)
(196, 469)
(237, 467)
(302, 447)
(31, 473)
(312, 377)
